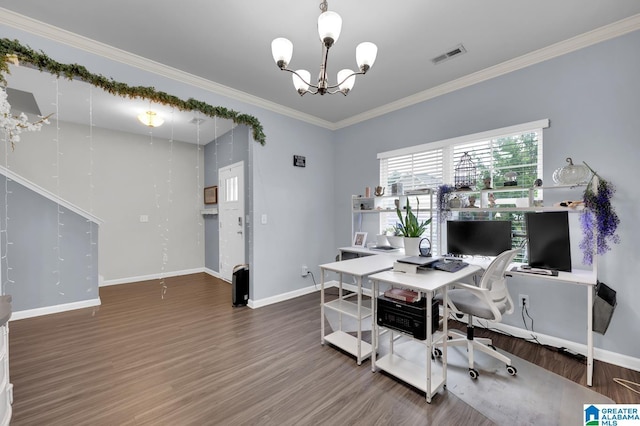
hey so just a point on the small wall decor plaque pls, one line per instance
(299, 161)
(211, 195)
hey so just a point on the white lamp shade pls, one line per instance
(150, 118)
(366, 54)
(329, 25)
(349, 82)
(282, 50)
(298, 83)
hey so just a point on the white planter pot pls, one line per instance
(396, 241)
(412, 246)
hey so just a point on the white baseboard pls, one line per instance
(281, 297)
(30, 313)
(599, 354)
(214, 274)
(129, 280)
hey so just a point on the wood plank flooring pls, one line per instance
(187, 357)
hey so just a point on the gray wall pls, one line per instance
(592, 98)
(227, 149)
(32, 272)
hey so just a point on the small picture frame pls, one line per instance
(360, 239)
(211, 195)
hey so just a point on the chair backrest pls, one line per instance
(495, 282)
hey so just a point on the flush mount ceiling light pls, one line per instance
(150, 119)
(329, 26)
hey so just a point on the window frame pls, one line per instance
(448, 162)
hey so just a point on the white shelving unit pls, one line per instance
(209, 211)
(351, 304)
(521, 199)
(369, 214)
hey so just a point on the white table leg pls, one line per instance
(589, 335)
(322, 272)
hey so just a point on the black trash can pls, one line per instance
(240, 285)
(604, 304)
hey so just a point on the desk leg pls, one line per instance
(445, 333)
(340, 297)
(589, 335)
(322, 306)
(429, 296)
(359, 306)
(374, 325)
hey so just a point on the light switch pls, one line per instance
(144, 218)
(263, 219)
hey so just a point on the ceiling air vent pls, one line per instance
(452, 53)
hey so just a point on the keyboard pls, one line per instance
(449, 266)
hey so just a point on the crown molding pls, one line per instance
(581, 41)
(77, 41)
(42, 29)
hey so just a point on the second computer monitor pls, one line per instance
(478, 237)
(548, 240)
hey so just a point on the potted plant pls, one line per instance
(411, 229)
(394, 236)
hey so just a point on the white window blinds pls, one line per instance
(515, 149)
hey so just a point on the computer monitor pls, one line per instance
(548, 240)
(478, 237)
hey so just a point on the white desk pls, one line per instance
(426, 282)
(360, 268)
(580, 277)
(362, 251)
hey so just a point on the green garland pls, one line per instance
(12, 49)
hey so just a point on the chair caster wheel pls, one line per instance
(473, 373)
(511, 370)
(437, 353)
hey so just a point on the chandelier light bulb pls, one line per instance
(282, 51)
(329, 27)
(346, 80)
(300, 80)
(366, 53)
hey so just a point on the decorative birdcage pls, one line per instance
(465, 173)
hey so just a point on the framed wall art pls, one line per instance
(211, 195)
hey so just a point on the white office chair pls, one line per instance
(489, 300)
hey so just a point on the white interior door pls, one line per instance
(231, 218)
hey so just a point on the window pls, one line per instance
(496, 154)
(231, 189)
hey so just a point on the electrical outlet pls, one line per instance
(523, 300)
(304, 270)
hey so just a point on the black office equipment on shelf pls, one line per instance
(240, 285)
(407, 317)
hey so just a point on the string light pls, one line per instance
(59, 211)
(92, 242)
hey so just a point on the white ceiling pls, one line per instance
(228, 41)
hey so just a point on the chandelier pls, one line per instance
(329, 26)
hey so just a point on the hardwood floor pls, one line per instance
(190, 358)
